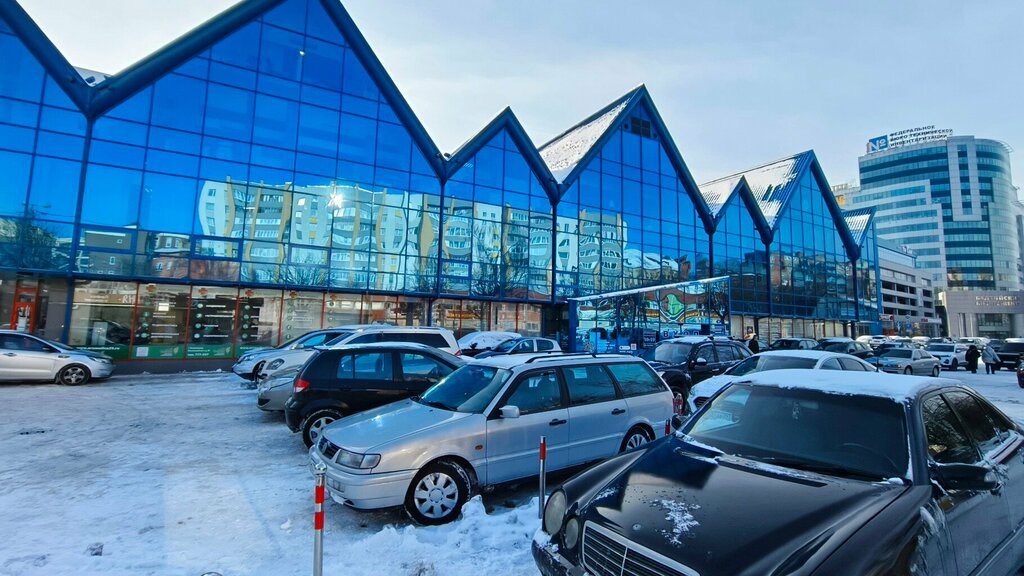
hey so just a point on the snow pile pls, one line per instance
(681, 516)
(476, 543)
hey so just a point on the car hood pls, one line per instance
(728, 515)
(712, 385)
(364, 431)
(86, 353)
(260, 352)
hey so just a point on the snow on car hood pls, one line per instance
(363, 431)
(711, 386)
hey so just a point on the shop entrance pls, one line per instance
(24, 308)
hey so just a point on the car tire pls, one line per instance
(313, 424)
(635, 438)
(256, 370)
(908, 371)
(73, 375)
(935, 372)
(438, 492)
(954, 365)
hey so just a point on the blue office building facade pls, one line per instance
(263, 176)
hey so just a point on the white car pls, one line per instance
(775, 360)
(951, 355)
(433, 336)
(476, 342)
(877, 339)
(25, 357)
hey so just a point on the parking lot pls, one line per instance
(181, 475)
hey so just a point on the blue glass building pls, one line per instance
(263, 176)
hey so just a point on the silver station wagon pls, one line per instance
(481, 426)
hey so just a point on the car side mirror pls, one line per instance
(700, 362)
(964, 476)
(510, 411)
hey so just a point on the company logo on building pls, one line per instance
(908, 137)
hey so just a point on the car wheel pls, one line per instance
(935, 372)
(635, 438)
(73, 375)
(437, 493)
(909, 371)
(256, 370)
(314, 424)
(953, 365)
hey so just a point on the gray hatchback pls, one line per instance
(481, 426)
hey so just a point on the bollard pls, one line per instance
(543, 462)
(318, 521)
(677, 404)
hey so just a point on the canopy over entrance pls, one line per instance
(630, 320)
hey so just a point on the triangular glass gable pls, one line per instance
(566, 151)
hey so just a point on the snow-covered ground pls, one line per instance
(181, 475)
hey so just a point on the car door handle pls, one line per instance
(557, 422)
(618, 411)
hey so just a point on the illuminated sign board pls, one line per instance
(907, 137)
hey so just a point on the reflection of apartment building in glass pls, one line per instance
(266, 159)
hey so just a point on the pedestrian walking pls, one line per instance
(991, 360)
(972, 358)
(751, 340)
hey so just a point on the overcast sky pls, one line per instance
(738, 83)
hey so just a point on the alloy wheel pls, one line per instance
(73, 375)
(436, 495)
(636, 440)
(318, 426)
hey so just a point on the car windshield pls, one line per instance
(668, 352)
(506, 345)
(843, 435)
(785, 345)
(337, 339)
(763, 362)
(940, 348)
(468, 389)
(898, 353)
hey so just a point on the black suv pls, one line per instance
(337, 382)
(1010, 354)
(687, 360)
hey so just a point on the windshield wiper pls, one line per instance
(436, 404)
(820, 467)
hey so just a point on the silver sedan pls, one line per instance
(24, 357)
(909, 361)
(274, 391)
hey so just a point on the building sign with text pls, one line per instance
(907, 137)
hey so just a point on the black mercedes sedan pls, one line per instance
(804, 472)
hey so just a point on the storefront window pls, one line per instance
(101, 317)
(302, 312)
(212, 322)
(161, 321)
(342, 310)
(260, 319)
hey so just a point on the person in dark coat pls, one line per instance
(972, 358)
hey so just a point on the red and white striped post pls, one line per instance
(318, 521)
(543, 473)
(677, 404)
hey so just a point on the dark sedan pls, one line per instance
(804, 472)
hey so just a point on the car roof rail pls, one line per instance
(548, 355)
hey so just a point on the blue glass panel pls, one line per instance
(311, 164)
(320, 97)
(14, 184)
(280, 53)
(360, 106)
(320, 24)
(17, 138)
(179, 102)
(229, 112)
(393, 179)
(631, 192)
(174, 140)
(111, 196)
(630, 149)
(270, 176)
(4, 27)
(318, 130)
(276, 121)
(60, 120)
(172, 163)
(540, 204)
(611, 194)
(651, 154)
(232, 76)
(19, 112)
(419, 163)
(291, 14)
(355, 172)
(226, 149)
(60, 145)
(275, 86)
(21, 76)
(196, 68)
(394, 146)
(651, 201)
(517, 173)
(357, 80)
(387, 114)
(273, 157)
(168, 203)
(358, 139)
(117, 154)
(221, 170)
(135, 108)
(425, 184)
(240, 48)
(120, 131)
(54, 193)
(489, 164)
(322, 64)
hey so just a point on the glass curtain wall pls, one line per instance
(627, 222)
(740, 254)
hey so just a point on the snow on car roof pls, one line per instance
(812, 354)
(897, 387)
(509, 361)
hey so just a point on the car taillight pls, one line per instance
(300, 385)
(458, 352)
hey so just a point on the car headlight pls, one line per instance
(554, 512)
(354, 460)
(572, 533)
(275, 364)
(245, 358)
